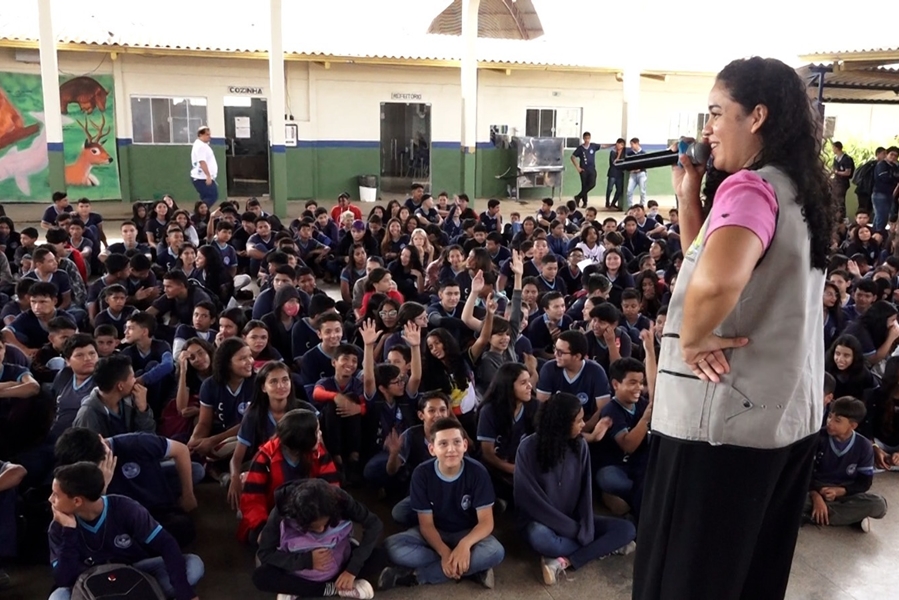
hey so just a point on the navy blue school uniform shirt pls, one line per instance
(59, 278)
(502, 254)
(623, 420)
(186, 332)
(166, 258)
(160, 353)
(30, 330)
(229, 254)
(316, 365)
(538, 332)
(522, 425)
(414, 448)
(848, 464)
(69, 396)
(52, 212)
(586, 155)
(246, 435)
(123, 533)
(489, 222)
(453, 501)
(303, 338)
(589, 385)
(139, 474)
(228, 406)
(105, 317)
(382, 417)
(120, 248)
(133, 284)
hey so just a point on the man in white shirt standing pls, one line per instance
(203, 168)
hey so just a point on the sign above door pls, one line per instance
(244, 90)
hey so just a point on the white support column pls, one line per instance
(630, 107)
(469, 73)
(276, 102)
(276, 110)
(123, 129)
(50, 89)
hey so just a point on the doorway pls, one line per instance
(246, 138)
(405, 146)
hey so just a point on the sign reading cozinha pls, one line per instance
(252, 91)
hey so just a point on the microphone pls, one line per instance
(698, 152)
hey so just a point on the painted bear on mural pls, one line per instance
(86, 91)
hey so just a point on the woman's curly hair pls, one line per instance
(791, 140)
(554, 421)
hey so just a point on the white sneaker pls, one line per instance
(361, 589)
(865, 525)
(286, 597)
(625, 550)
(552, 568)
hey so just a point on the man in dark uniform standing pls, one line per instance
(584, 160)
(843, 170)
(615, 175)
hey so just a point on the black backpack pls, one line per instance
(116, 582)
(864, 177)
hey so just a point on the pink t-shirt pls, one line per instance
(745, 200)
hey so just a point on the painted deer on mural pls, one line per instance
(92, 154)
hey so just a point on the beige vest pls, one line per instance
(773, 395)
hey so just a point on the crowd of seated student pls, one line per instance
(471, 370)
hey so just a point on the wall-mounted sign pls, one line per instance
(404, 96)
(291, 134)
(250, 91)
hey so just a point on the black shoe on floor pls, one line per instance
(392, 577)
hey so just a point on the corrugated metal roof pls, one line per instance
(876, 85)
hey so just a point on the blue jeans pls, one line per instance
(637, 178)
(608, 536)
(208, 193)
(154, 567)
(403, 514)
(883, 203)
(410, 549)
(615, 481)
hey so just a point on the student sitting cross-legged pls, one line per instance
(554, 492)
(90, 528)
(844, 470)
(305, 548)
(453, 497)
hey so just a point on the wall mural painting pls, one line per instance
(88, 118)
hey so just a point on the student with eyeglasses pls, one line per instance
(573, 373)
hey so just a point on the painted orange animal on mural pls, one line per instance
(92, 154)
(12, 126)
(86, 91)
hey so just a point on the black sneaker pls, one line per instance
(392, 577)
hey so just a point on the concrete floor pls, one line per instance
(830, 564)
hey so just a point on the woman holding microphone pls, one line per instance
(739, 397)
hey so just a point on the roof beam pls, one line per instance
(887, 54)
(861, 64)
(859, 101)
(513, 11)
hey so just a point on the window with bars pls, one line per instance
(554, 122)
(161, 120)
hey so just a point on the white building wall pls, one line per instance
(342, 102)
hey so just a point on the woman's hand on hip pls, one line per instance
(706, 357)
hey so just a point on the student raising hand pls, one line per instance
(517, 264)
(477, 283)
(369, 332)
